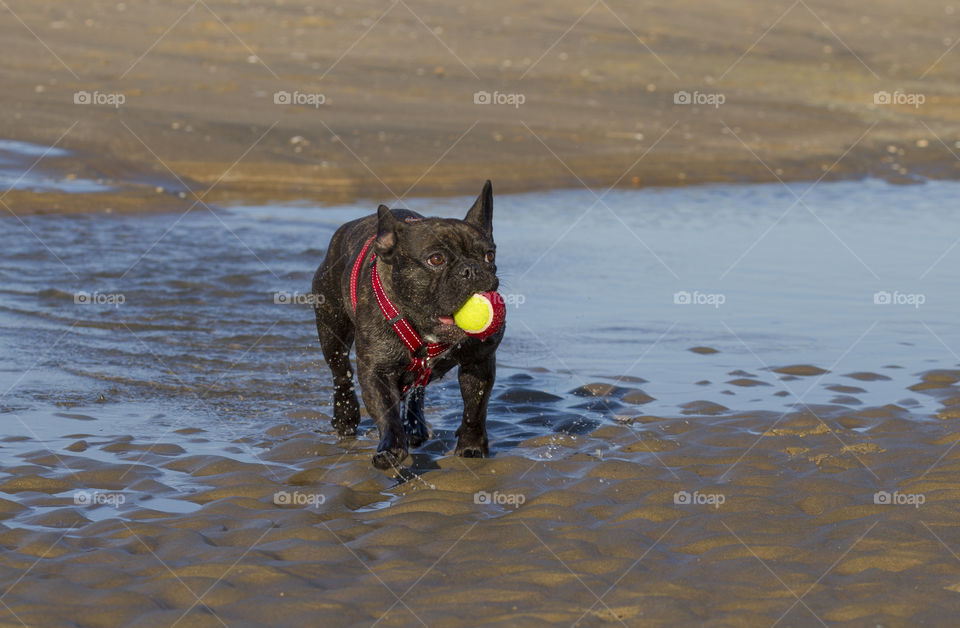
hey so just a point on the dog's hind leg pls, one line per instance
(336, 338)
(381, 394)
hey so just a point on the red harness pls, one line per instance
(401, 326)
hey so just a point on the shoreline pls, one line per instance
(169, 195)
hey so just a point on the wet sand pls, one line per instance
(398, 82)
(591, 534)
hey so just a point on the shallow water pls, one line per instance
(167, 449)
(181, 328)
(20, 170)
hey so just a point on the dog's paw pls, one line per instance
(415, 440)
(348, 431)
(345, 423)
(384, 460)
(416, 434)
(472, 451)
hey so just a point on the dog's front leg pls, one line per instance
(381, 395)
(414, 423)
(476, 382)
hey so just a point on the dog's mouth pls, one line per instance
(446, 331)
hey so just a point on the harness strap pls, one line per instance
(419, 364)
(355, 273)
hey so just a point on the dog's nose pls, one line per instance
(469, 270)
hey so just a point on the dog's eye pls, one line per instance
(490, 256)
(436, 260)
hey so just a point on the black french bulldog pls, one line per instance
(428, 268)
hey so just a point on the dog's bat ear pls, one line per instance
(481, 214)
(388, 228)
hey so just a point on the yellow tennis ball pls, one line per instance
(475, 315)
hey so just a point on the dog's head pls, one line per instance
(437, 263)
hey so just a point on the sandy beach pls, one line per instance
(597, 538)
(386, 96)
